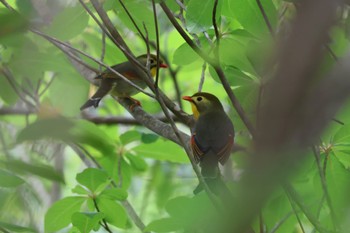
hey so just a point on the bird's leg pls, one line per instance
(135, 103)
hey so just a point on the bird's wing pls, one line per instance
(124, 68)
(225, 152)
(196, 149)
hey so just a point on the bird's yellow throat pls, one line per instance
(154, 71)
(195, 111)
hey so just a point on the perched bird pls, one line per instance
(212, 137)
(110, 83)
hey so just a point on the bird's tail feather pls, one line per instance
(91, 102)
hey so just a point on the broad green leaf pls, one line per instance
(149, 138)
(184, 55)
(86, 222)
(15, 228)
(114, 212)
(164, 225)
(60, 213)
(338, 184)
(130, 136)
(162, 150)
(68, 23)
(234, 76)
(75, 90)
(141, 13)
(233, 53)
(9, 180)
(199, 15)
(57, 128)
(114, 194)
(88, 133)
(78, 189)
(136, 162)
(92, 178)
(247, 12)
(41, 170)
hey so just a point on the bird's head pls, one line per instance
(203, 102)
(152, 62)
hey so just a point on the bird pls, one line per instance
(110, 83)
(212, 138)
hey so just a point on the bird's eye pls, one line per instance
(152, 61)
(199, 98)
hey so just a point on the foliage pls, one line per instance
(64, 171)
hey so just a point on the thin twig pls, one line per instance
(266, 19)
(217, 34)
(295, 212)
(47, 85)
(283, 220)
(325, 189)
(201, 82)
(103, 223)
(298, 200)
(103, 50)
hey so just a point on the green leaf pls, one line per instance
(11, 23)
(139, 164)
(149, 138)
(41, 170)
(234, 76)
(130, 136)
(15, 228)
(162, 150)
(141, 13)
(114, 194)
(77, 19)
(9, 180)
(78, 189)
(114, 212)
(86, 222)
(92, 178)
(88, 133)
(60, 213)
(199, 15)
(57, 128)
(247, 12)
(75, 91)
(184, 55)
(164, 225)
(7, 94)
(233, 53)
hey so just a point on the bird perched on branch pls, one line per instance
(212, 138)
(110, 83)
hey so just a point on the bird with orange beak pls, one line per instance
(212, 137)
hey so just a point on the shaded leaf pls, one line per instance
(136, 162)
(9, 180)
(41, 170)
(77, 19)
(247, 12)
(15, 228)
(164, 225)
(199, 15)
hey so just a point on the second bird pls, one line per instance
(212, 138)
(110, 83)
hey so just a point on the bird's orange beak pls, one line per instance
(187, 98)
(162, 65)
